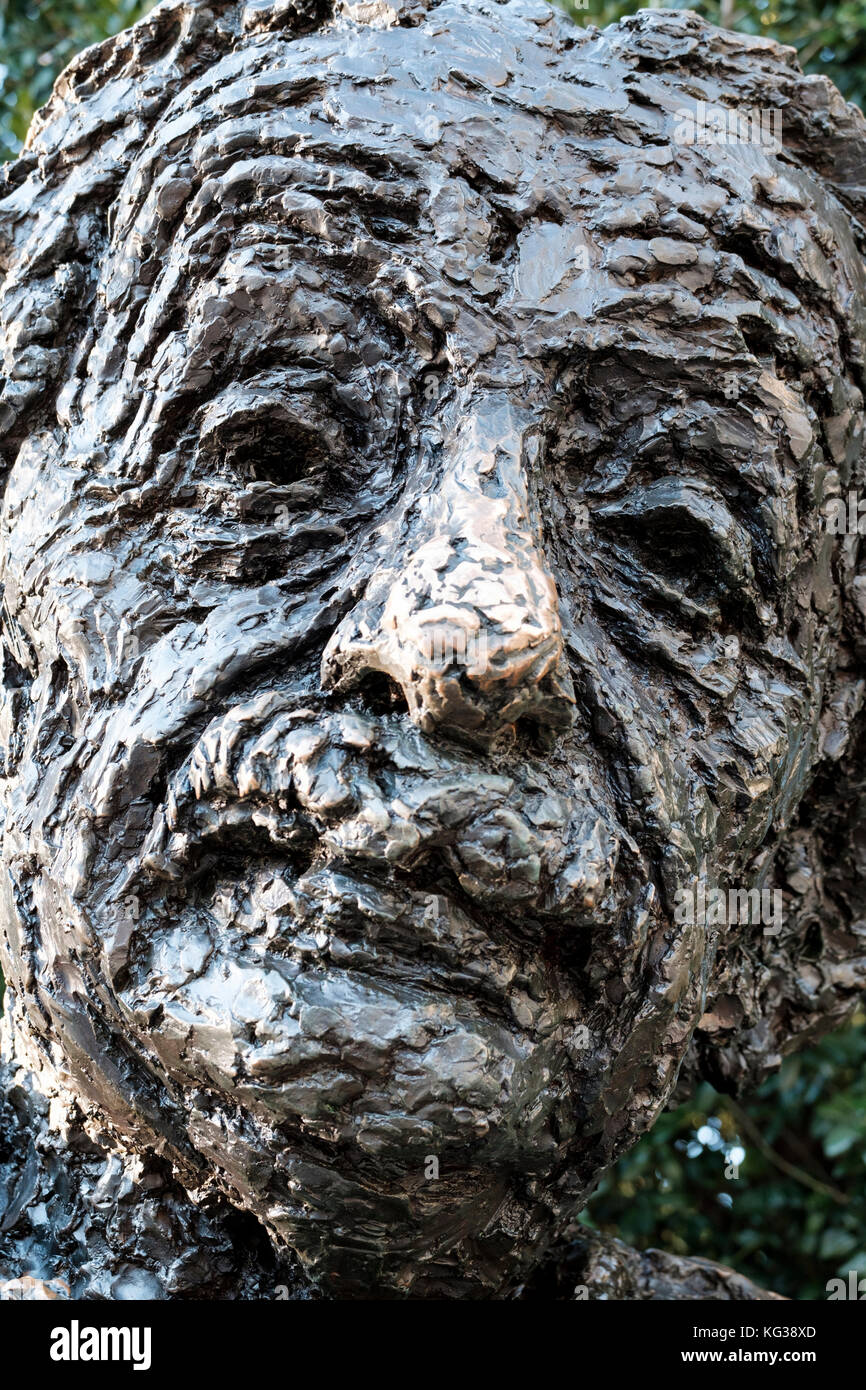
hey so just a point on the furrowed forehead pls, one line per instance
(122, 161)
(369, 116)
(495, 152)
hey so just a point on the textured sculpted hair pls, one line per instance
(70, 194)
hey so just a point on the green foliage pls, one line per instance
(37, 41)
(829, 38)
(794, 1215)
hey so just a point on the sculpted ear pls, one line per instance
(827, 135)
(770, 994)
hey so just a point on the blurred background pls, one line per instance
(773, 1186)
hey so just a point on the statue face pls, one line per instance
(421, 582)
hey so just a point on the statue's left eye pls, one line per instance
(686, 529)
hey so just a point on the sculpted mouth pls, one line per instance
(339, 923)
(372, 799)
(332, 898)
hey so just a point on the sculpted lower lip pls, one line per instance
(352, 975)
(339, 921)
(378, 797)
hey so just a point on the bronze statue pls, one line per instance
(419, 424)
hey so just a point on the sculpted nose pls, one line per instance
(462, 611)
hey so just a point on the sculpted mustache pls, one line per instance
(367, 793)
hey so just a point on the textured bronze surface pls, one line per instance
(415, 577)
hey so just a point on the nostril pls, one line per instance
(535, 735)
(527, 729)
(379, 694)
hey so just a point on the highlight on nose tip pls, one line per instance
(459, 671)
(472, 656)
(462, 612)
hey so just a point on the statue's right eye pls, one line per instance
(257, 440)
(271, 450)
(264, 445)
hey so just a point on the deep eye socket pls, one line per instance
(683, 530)
(270, 450)
(258, 435)
(679, 551)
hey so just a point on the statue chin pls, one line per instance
(418, 424)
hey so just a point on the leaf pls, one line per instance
(836, 1242)
(839, 1140)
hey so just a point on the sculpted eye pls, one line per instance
(271, 449)
(684, 531)
(261, 438)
